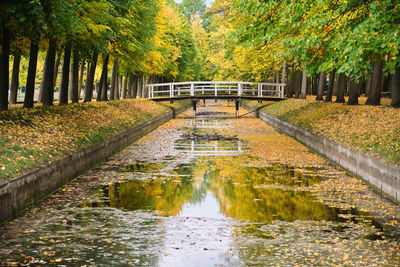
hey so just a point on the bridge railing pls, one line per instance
(271, 89)
(171, 90)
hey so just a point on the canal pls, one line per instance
(209, 191)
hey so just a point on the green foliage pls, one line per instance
(325, 35)
(193, 7)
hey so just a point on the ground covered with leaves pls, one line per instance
(32, 137)
(372, 129)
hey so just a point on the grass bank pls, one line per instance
(32, 137)
(373, 129)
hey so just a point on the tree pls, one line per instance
(63, 98)
(30, 81)
(395, 88)
(4, 66)
(15, 79)
(321, 85)
(193, 7)
(374, 97)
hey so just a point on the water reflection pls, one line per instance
(210, 123)
(209, 148)
(242, 192)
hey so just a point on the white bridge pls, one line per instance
(227, 90)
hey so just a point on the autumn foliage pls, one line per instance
(364, 128)
(32, 137)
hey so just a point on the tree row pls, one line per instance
(128, 42)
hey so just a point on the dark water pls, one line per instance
(199, 202)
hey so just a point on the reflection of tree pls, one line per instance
(161, 193)
(157, 194)
(238, 189)
(242, 198)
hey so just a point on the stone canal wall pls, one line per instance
(383, 176)
(21, 192)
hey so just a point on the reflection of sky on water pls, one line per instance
(200, 236)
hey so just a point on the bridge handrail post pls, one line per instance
(171, 90)
(239, 89)
(192, 89)
(259, 90)
(215, 89)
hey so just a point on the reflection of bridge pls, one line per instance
(214, 90)
(206, 123)
(213, 148)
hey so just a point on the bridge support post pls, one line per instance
(194, 108)
(237, 108)
(204, 101)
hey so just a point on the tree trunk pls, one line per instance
(145, 88)
(283, 80)
(304, 81)
(309, 86)
(81, 79)
(321, 86)
(291, 81)
(40, 97)
(374, 97)
(90, 78)
(341, 87)
(130, 86)
(125, 87)
(75, 78)
(15, 79)
(70, 83)
(395, 88)
(298, 83)
(56, 67)
(99, 89)
(117, 92)
(30, 80)
(114, 79)
(353, 92)
(368, 86)
(331, 82)
(139, 85)
(48, 86)
(104, 86)
(4, 67)
(135, 84)
(314, 88)
(63, 97)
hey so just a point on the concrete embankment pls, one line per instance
(383, 176)
(23, 191)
